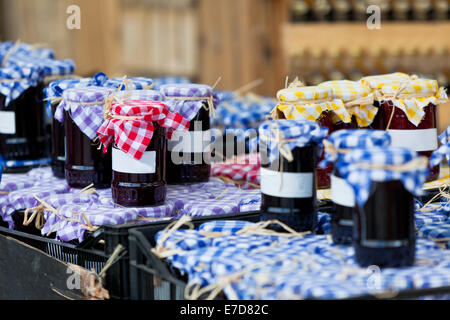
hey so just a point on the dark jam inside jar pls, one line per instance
(323, 174)
(58, 155)
(343, 209)
(22, 125)
(86, 163)
(297, 208)
(384, 227)
(401, 122)
(141, 189)
(195, 167)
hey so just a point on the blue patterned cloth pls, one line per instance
(298, 133)
(24, 49)
(277, 267)
(49, 67)
(168, 80)
(443, 151)
(360, 179)
(439, 232)
(355, 139)
(15, 80)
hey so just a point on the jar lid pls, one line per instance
(24, 48)
(376, 82)
(169, 80)
(361, 167)
(411, 87)
(16, 80)
(50, 67)
(186, 90)
(129, 83)
(91, 94)
(130, 124)
(342, 141)
(346, 90)
(282, 136)
(311, 93)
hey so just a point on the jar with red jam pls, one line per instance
(289, 152)
(137, 129)
(342, 195)
(82, 112)
(188, 153)
(23, 138)
(314, 103)
(407, 110)
(385, 181)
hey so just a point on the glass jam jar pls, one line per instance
(408, 112)
(188, 155)
(23, 138)
(384, 230)
(83, 113)
(342, 194)
(314, 103)
(288, 182)
(138, 128)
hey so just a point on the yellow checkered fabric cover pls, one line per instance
(413, 96)
(376, 82)
(350, 91)
(308, 103)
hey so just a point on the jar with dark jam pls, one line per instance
(314, 103)
(138, 129)
(288, 179)
(82, 112)
(407, 109)
(188, 155)
(385, 181)
(342, 194)
(23, 138)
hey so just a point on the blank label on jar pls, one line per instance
(190, 141)
(416, 140)
(7, 122)
(341, 192)
(293, 184)
(122, 162)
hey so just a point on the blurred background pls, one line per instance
(241, 40)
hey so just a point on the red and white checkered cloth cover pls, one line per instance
(134, 136)
(241, 168)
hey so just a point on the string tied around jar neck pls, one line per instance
(417, 163)
(332, 150)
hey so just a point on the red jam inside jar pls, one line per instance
(133, 188)
(401, 122)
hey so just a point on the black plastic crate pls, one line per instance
(153, 279)
(98, 247)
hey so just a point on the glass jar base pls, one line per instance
(299, 222)
(385, 257)
(342, 235)
(58, 168)
(83, 178)
(144, 196)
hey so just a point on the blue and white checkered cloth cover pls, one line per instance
(25, 49)
(439, 232)
(1, 167)
(158, 82)
(87, 118)
(355, 139)
(137, 83)
(300, 132)
(361, 179)
(50, 67)
(242, 112)
(275, 267)
(443, 151)
(187, 108)
(15, 80)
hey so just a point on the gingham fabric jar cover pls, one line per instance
(50, 67)
(443, 151)
(85, 107)
(297, 133)
(347, 139)
(21, 48)
(374, 83)
(133, 135)
(357, 99)
(173, 94)
(361, 167)
(308, 103)
(16, 80)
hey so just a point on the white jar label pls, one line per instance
(7, 122)
(287, 184)
(416, 140)
(122, 162)
(190, 141)
(341, 192)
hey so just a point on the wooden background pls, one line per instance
(239, 40)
